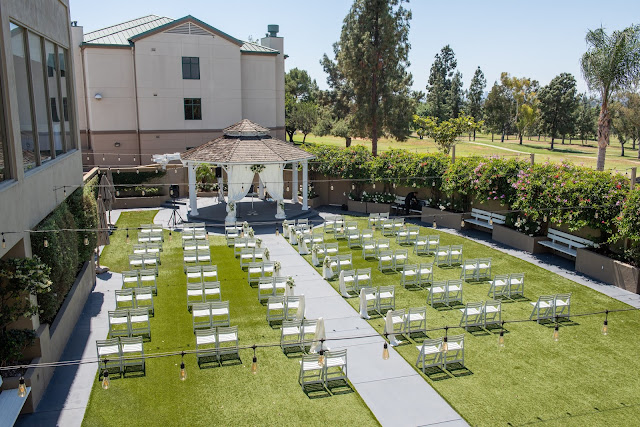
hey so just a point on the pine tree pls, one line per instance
(373, 56)
(558, 103)
(442, 73)
(475, 96)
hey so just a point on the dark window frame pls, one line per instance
(190, 68)
(193, 108)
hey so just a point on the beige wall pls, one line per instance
(232, 86)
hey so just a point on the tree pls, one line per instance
(289, 124)
(440, 99)
(497, 110)
(304, 116)
(522, 91)
(586, 117)
(373, 56)
(625, 120)
(338, 102)
(558, 104)
(475, 96)
(611, 64)
(455, 99)
(298, 84)
(445, 133)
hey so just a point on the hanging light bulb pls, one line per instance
(288, 188)
(117, 193)
(353, 186)
(118, 158)
(462, 223)
(277, 231)
(544, 218)
(143, 193)
(137, 171)
(501, 338)
(128, 240)
(434, 224)
(183, 370)
(433, 183)
(175, 170)
(118, 171)
(490, 221)
(394, 185)
(374, 185)
(170, 235)
(206, 236)
(556, 332)
(331, 187)
(4, 242)
(596, 215)
(321, 358)
(106, 382)
(103, 157)
(45, 243)
(156, 170)
(22, 388)
(86, 240)
(605, 325)
(87, 157)
(254, 363)
(385, 351)
(445, 344)
(134, 158)
(64, 191)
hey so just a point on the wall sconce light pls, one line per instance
(98, 96)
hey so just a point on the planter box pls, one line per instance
(378, 207)
(443, 218)
(518, 240)
(608, 270)
(311, 203)
(139, 202)
(354, 206)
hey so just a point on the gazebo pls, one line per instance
(247, 149)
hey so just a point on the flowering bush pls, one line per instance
(571, 195)
(627, 221)
(378, 197)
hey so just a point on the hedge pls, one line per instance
(563, 194)
(66, 251)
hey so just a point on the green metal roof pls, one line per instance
(121, 33)
(128, 32)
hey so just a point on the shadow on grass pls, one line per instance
(315, 391)
(436, 373)
(458, 370)
(338, 387)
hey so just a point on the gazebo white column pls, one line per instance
(193, 196)
(305, 185)
(260, 189)
(294, 186)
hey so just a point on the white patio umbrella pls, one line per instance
(103, 233)
(388, 329)
(107, 191)
(363, 305)
(320, 335)
(301, 309)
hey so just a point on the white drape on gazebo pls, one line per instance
(271, 176)
(240, 178)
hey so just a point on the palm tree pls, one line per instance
(611, 64)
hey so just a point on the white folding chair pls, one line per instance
(119, 325)
(433, 242)
(139, 322)
(469, 269)
(409, 275)
(386, 298)
(430, 354)
(398, 321)
(499, 286)
(443, 256)
(124, 299)
(417, 320)
(543, 308)
(130, 279)
(400, 257)
(454, 291)
(201, 316)
(219, 313)
(455, 350)
(385, 260)
(266, 288)
(291, 304)
(425, 273)
(368, 248)
(437, 293)
(212, 291)
(516, 284)
(148, 280)
(311, 371)
(455, 254)
(109, 351)
(227, 341)
(132, 352)
(363, 278)
(562, 306)
(335, 366)
(275, 309)
(144, 299)
(206, 345)
(382, 245)
(484, 269)
(492, 313)
(291, 335)
(472, 315)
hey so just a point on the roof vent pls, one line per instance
(273, 30)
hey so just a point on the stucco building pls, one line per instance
(40, 160)
(156, 85)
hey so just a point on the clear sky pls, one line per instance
(537, 39)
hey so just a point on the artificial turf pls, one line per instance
(583, 379)
(228, 395)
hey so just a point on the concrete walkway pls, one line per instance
(396, 394)
(65, 401)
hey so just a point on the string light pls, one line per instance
(490, 221)
(605, 325)
(137, 171)
(445, 344)
(45, 243)
(106, 382)
(544, 218)
(331, 187)
(103, 157)
(501, 338)
(462, 223)
(434, 224)
(86, 240)
(556, 332)
(128, 240)
(170, 235)
(183, 371)
(118, 158)
(134, 158)
(254, 363)
(64, 191)
(4, 242)
(143, 193)
(22, 387)
(385, 348)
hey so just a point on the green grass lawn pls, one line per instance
(575, 152)
(228, 395)
(584, 379)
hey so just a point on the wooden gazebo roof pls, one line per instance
(245, 143)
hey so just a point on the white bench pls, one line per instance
(485, 219)
(565, 242)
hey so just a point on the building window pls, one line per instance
(65, 109)
(24, 96)
(192, 110)
(191, 67)
(54, 111)
(38, 83)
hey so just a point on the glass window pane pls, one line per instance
(39, 97)
(65, 84)
(52, 84)
(22, 90)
